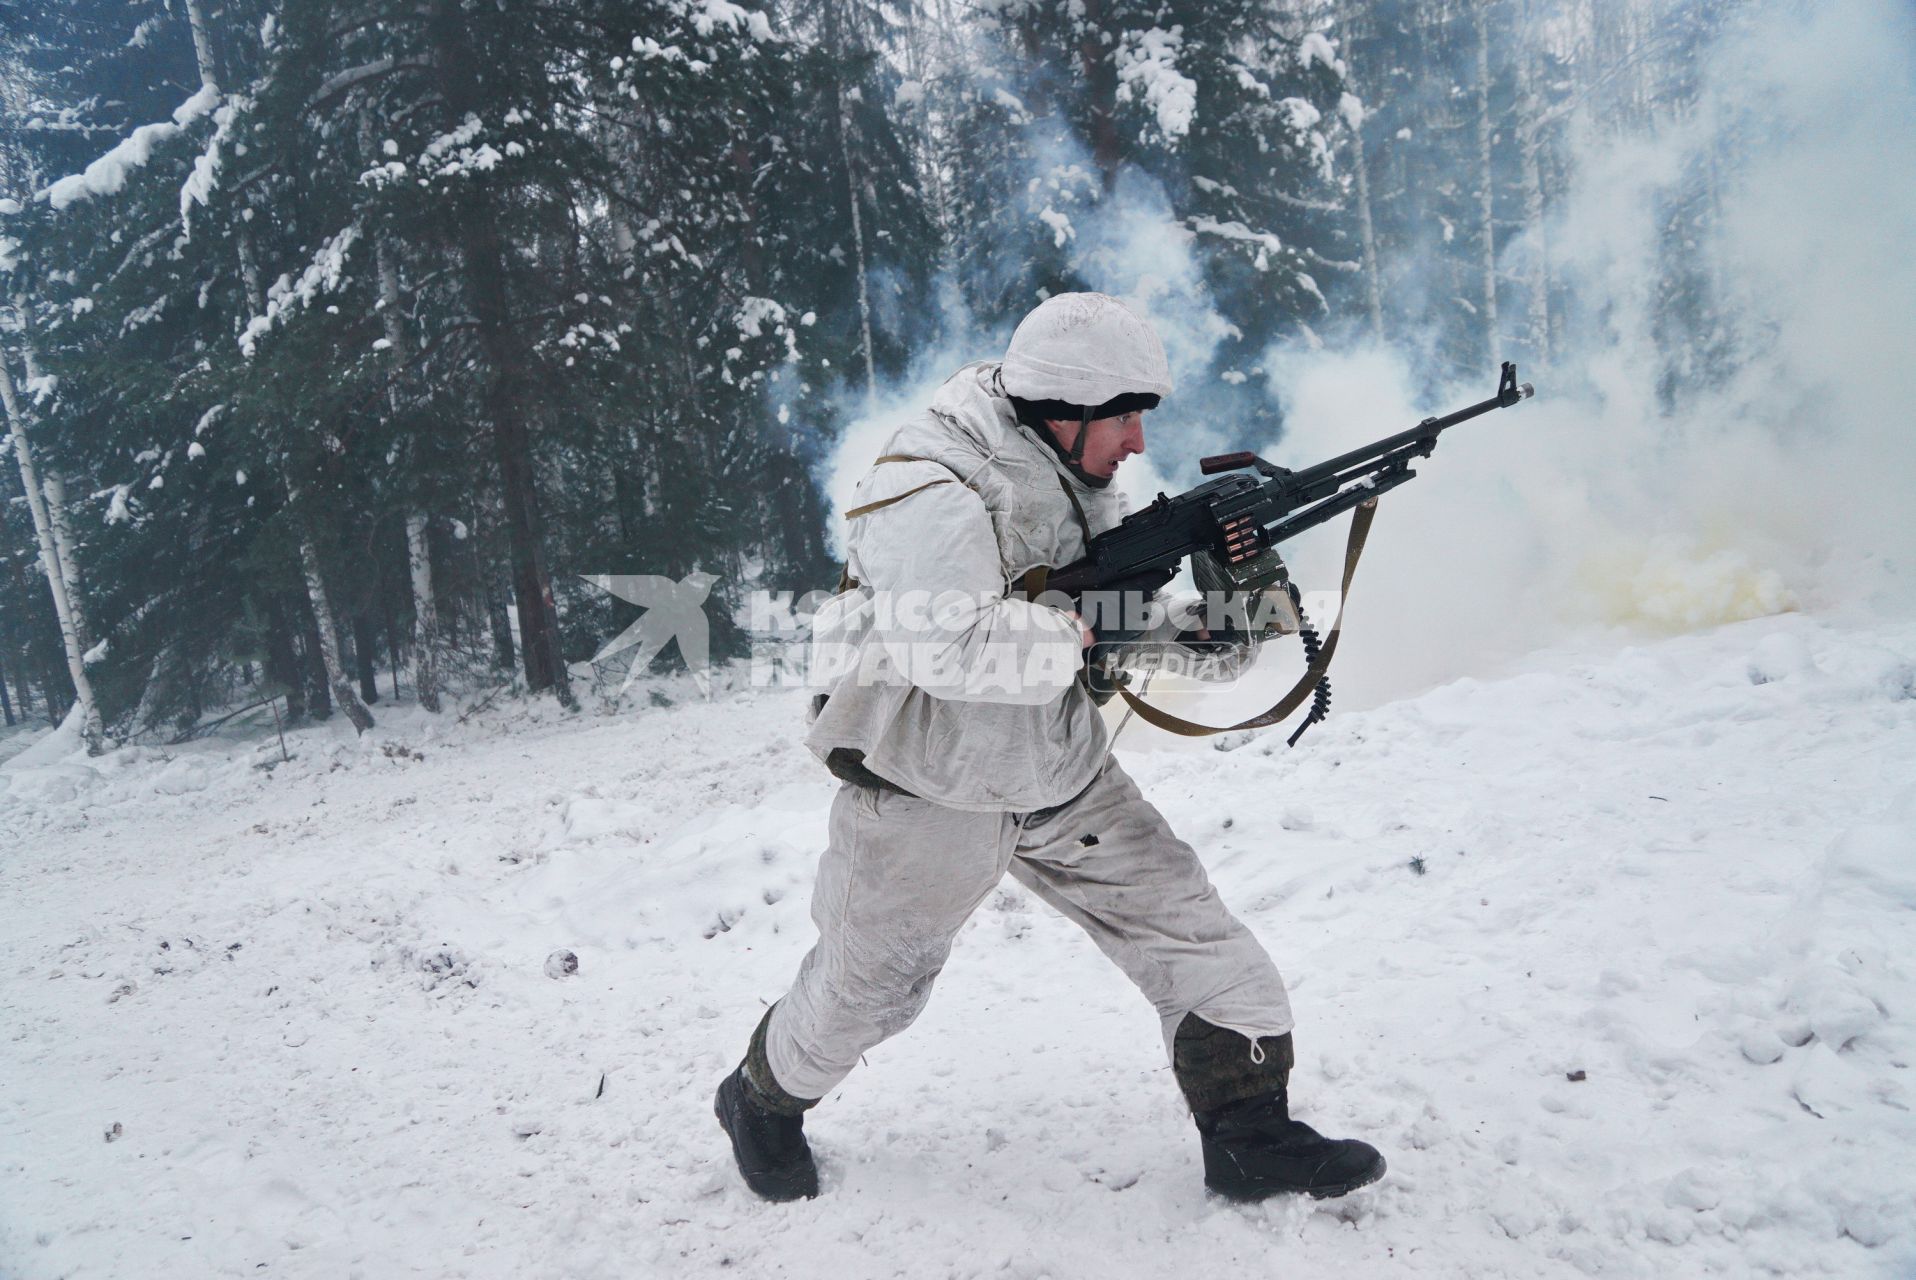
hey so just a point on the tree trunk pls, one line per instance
(494, 591)
(1100, 65)
(1486, 178)
(55, 485)
(392, 640)
(313, 667)
(14, 645)
(1367, 235)
(65, 547)
(426, 640)
(332, 674)
(499, 619)
(36, 660)
(366, 656)
(6, 703)
(336, 681)
(66, 609)
(919, 64)
(484, 260)
(20, 642)
(282, 660)
(1531, 143)
(531, 584)
(203, 44)
(834, 44)
(249, 273)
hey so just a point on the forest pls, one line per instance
(340, 341)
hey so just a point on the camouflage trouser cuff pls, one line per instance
(1215, 1067)
(763, 1084)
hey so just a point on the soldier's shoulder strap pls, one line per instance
(845, 580)
(866, 509)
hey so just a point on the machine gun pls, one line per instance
(1232, 526)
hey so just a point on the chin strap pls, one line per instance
(1084, 429)
(1073, 458)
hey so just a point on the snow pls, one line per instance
(755, 316)
(650, 48)
(1267, 242)
(1009, 101)
(201, 183)
(1060, 224)
(1642, 1013)
(1350, 108)
(144, 315)
(324, 273)
(709, 15)
(449, 155)
(1147, 69)
(108, 175)
(1316, 47)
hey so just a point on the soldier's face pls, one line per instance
(1109, 442)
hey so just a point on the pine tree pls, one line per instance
(1223, 108)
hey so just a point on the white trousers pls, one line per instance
(901, 875)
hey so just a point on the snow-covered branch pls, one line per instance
(322, 275)
(107, 175)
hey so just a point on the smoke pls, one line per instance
(1130, 245)
(1672, 473)
(1774, 475)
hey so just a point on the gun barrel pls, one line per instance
(1424, 434)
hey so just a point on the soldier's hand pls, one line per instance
(1086, 638)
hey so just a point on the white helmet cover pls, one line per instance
(1084, 349)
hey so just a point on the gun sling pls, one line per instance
(1361, 519)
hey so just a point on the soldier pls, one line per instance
(955, 772)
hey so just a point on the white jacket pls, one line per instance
(978, 705)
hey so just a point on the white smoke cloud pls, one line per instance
(1597, 508)
(1594, 507)
(1130, 245)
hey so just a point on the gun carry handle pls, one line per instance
(1226, 462)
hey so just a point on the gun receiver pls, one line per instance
(1241, 519)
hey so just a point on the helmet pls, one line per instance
(1086, 349)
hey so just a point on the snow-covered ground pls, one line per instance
(1612, 957)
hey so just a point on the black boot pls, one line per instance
(1252, 1147)
(767, 1127)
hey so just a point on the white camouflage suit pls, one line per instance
(1002, 775)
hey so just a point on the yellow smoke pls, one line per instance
(1670, 585)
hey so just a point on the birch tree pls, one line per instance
(69, 610)
(1487, 185)
(418, 552)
